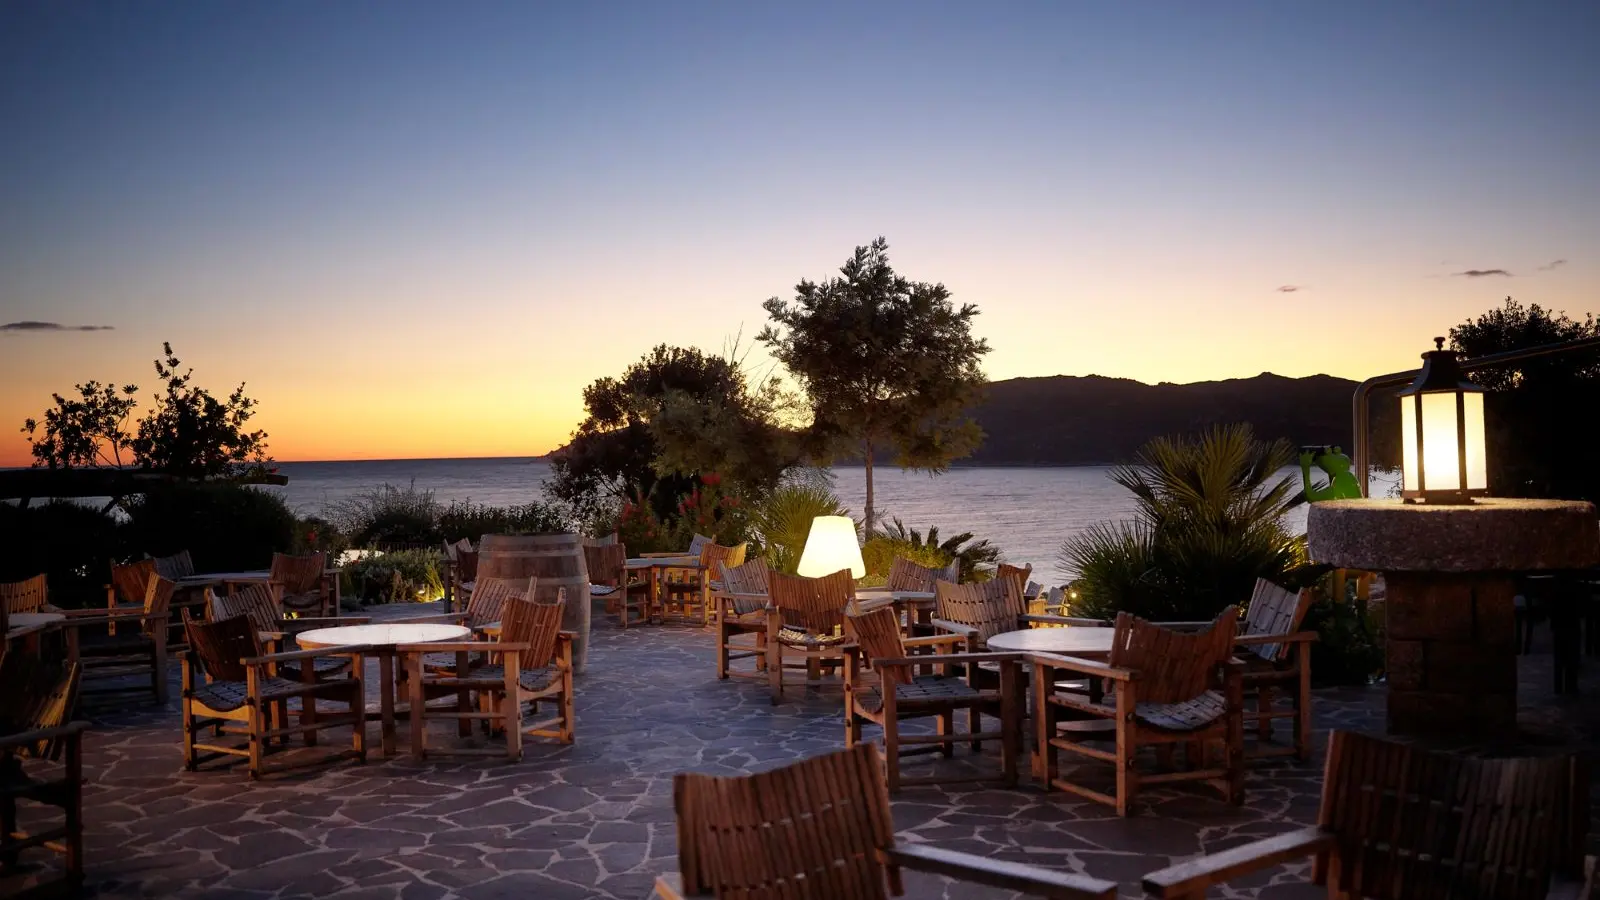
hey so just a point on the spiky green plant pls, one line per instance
(978, 557)
(1209, 522)
(783, 520)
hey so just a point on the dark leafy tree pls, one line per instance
(673, 416)
(191, 433)
(84, 431)
(1531, 408)
(888, 365)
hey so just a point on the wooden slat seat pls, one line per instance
(493, 677)
(227, 696)
(259, 602)
(304, 583)
(799, 637)
(806, 615)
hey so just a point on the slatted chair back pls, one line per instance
(129, 581)
(698, 543)
(1274, 610)
(157, 600)
(748, 578)
(467, 566)
(905, 575)
(608, 563)
(28, 596)
(815, 604)
(818, 828)
(1173, 666)
(1019, 574)
(986, 607)
(1413, 823)
(877, 633)
(255, 601)
(298, 574)
(220, 645)
(178, 565)
(489, 596)
(713, 554)
(37, 695)
(535, 624)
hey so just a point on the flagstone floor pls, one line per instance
(595, 820)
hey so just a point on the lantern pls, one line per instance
(831, 546)
(1441, 433)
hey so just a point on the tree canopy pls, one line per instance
(674, 415)
(188, 432)
(888, 364)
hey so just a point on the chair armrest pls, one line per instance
(462, 647)
(1295, 638)
(933, 640)
(78, 618)
(1083, 666)
(28, 738)
(330, 621)
(1191, 879)
(943, 658)
(965, 631)
(98, 614)
(1044, 619)
(661, 554)
(1032, 880)
(295, 655)
(450, 618)
(741, 595)
(1184, 626)
(670, 887)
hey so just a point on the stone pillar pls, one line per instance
(1450, 626)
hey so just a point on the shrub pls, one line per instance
(314, 535)
(978, 558)
(464, 519)
(879, 553)
(783, 521)
(225, 527)
(72, 544)
(399, 576)
(388, 516)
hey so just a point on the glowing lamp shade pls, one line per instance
(831, 546)
(1442, 457)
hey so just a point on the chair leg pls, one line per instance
(1264, 712)
(186, 712)
(415, 714)
(976, 719)
(257, 724)
(775, 670)
(722, 651)
(947, 726)
(891, 751)
(1302, 709)
(569, 726)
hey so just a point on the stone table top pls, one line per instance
(380, 635)
(1494, 534)
(1066, 641)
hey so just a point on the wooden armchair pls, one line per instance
(192, 599)
(35, 709)
(905, 575)
(820, 829)
(306, 584)
(1399, 822)
(805, 626)
(123, 641)
(739, 607)
(1169, 688)
(178, 565)
(230, 684)
(531, 662)
(28, 596)
(1277, 655)
(260, 603)
(460, 571)
(896, 693)
(608, 573)
(688, 591)
(486, 607)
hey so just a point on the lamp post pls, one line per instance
(830, 546)
(1442, 456)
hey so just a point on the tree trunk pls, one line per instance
(867, 521)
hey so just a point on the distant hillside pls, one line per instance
(1089, 420)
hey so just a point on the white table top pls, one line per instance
(1068, 641)
(28, 620)
(207, 578)
(664, 562)
(380, 635)
(885, 593)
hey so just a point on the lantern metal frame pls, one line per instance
(1441, 374)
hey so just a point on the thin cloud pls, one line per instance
(1554, 264)
(1483, 273)
(15, 327)
(1290, 288)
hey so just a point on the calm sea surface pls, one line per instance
(1027, 512)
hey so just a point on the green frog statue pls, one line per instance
(1341, 484)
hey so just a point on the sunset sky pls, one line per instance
(421, 229)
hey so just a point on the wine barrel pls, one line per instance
(557, 561)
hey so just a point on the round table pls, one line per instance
(30, 624)
(382, 639)
(1069, 641)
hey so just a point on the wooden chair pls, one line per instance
(608, 573)
(31, 595)
(739, 607)
(532, 663)
(231, 685)
(805, 621)
(260, 603)
(1170, 688)
(486, 606)
(820, 829)
(306, 584)
(688, 591)
(905, 575)
(1277, 656)
(178, 565)
(896, 693)
(191, 599)
(113, 644)
(1398, 822)
(35, 709)
(460, 571)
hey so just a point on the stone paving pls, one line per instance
(595, 820)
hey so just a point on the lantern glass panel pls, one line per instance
(1441, 463)
(1408, 444)
(1477, 459)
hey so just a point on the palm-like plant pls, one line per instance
(1209, 522)
(782, 520)
(978, 558)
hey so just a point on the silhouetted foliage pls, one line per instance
(889, 365)
(71, 543)
(1532, 409)
(84, 431)
(225, 527)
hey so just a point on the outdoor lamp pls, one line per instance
(831, 546)
(1441, 433)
